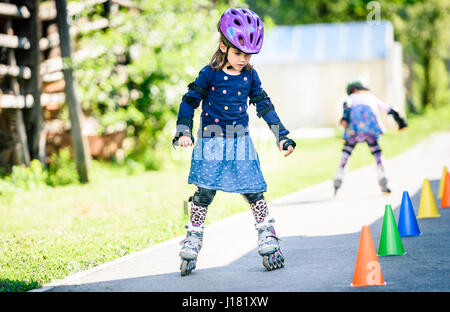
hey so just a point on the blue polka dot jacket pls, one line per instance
(224, 100)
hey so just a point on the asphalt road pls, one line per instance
(320, 236)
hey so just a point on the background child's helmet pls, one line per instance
(243, 29)
(355, 85)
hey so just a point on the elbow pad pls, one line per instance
(194, 102)
(346, 113)
(257, 98)
(263, 96)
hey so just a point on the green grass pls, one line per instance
(49, 233)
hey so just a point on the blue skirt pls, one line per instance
(227, 164)
(362, 122)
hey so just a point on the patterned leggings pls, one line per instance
(350, 144)
(259, 209)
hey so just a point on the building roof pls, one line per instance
(329, 42)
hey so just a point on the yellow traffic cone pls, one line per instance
(441, 184)
(427, 207)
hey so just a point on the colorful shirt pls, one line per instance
(375, 104)
(364, 116)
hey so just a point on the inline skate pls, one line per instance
(382, 180)
(268, 245)
(191, 248)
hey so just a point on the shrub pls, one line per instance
(62, 169)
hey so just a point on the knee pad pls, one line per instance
(374, 148)
(348, 148)
(252, 198)
(203, 197)
(349, 152)
(375, 151)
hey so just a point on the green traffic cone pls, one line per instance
(390, 241)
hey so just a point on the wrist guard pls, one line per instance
(399, 120)
(184, 127)
(287, 143)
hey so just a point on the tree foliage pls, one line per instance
(143, 62)
(142, 65)
(421, 26)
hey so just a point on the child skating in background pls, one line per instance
(224, 157)
(362, 123)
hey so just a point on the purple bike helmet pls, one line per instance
(243, 29)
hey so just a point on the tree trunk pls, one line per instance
(427, 92)
(79, 143)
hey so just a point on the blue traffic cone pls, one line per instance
(407, 222)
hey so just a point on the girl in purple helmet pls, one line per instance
(224, 157)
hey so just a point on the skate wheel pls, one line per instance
(280, 264)
(267, 264)
(273, 261)
(183, 267)
(281, 260)
(187, 266)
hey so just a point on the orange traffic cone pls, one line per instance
(445, 201)
(441, 183)
(367, 268)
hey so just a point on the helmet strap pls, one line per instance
(225, 58)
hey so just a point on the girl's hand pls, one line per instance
(290, 148)
(185, 141)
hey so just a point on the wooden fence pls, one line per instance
(35, 37)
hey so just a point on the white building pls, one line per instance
(305, 69)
